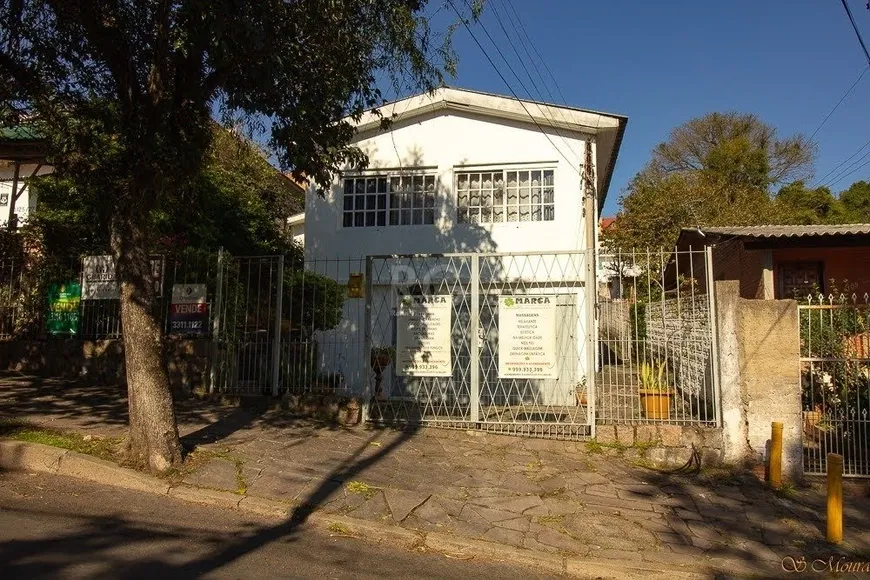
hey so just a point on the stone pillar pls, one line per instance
(770, 382)
(735, 445)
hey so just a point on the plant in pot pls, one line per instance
(655, 393)
(381, 358)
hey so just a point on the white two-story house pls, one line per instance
(460, 172)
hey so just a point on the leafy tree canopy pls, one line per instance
(238, 201)
(728, 169)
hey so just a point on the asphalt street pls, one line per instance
(57, 527)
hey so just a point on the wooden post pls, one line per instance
(835, 498)
(775, 460)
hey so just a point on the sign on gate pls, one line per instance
(99, 281)
(98, 278)
(188, 313)
(63, 308)
(423, 336)
(527, 337)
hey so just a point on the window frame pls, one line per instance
(415, 207)
(541, 205)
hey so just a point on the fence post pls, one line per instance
(474, 328)
(714, 333)
(835, 498)
(774, 465)
(591, 301)
(216, 322)
(367, 343)
(276, 340)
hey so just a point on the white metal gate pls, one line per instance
(475, 392)
(835, 382)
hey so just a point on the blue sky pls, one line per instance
(664, 62)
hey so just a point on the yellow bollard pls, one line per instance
(835, 498)
(774, 468)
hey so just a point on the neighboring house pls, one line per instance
(776, 262)
(22, 157)
(616, 271)
(461, 172)
(296, 226)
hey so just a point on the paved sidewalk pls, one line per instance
(545, 496)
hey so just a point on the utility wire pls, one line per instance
(504, 80)
(840, 102)
(849, 170)
(842, 163)
(841, 177)
(540, 96)
(535, 50)
(857, 32)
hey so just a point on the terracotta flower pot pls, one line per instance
(656, 404)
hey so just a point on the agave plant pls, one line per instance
(653, 376)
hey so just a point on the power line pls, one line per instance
(857, 32)
(853, 171)
(535, 50)
(504, 80)
(842, 163)
(531, 80)
(840, 102)
(848, 170)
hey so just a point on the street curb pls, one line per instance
(23, 456)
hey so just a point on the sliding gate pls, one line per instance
(501, 342)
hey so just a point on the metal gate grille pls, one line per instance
(835, 381)
(474, 394)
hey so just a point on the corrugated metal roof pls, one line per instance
(786, 231)
(19, 133)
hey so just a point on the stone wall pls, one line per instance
(663, 444)
(102, 361)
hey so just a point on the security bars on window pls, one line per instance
(397, 200)
(505, 196)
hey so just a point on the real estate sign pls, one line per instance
(423, 336)
(63, 308)
(527, 337)
(188, 313)
(99, 278)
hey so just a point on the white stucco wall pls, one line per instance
(443, 143)
(26, 202)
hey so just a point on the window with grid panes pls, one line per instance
(396, 200)
(505, 196)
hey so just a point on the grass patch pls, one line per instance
(594, 447)
(337, 528)
(102, 447)
(361, 488)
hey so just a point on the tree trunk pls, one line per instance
(153, 440)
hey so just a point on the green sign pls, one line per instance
(63, 308)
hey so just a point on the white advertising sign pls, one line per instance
(527, 337)
(423, 336)
(98, 278)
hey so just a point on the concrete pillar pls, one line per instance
(735, 445)
(770, 382)
(767, 274)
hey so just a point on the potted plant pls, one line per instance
(581, 393)
(655, 394)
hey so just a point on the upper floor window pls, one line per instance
(505, 196)
(396, 200)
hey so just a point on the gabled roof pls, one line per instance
(21, 143)
(607, 128)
